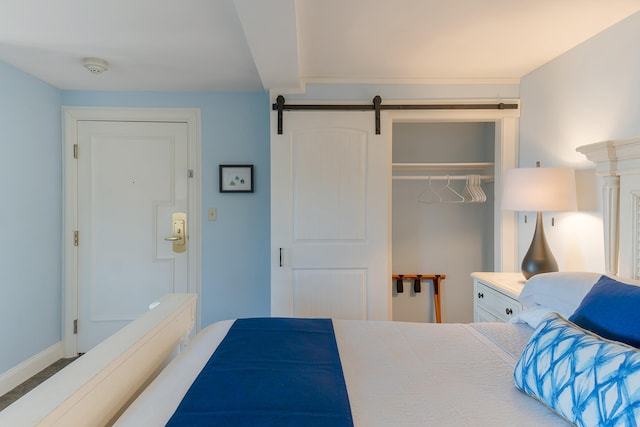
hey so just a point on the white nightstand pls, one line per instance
(496, 296)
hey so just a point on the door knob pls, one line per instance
(179, 237)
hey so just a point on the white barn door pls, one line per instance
(330, 191)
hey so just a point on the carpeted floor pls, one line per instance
(32, 382)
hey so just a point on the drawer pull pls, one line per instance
(508, 311)
(480, 295)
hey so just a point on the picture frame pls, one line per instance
(236, 178)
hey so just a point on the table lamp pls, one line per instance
(539, 190)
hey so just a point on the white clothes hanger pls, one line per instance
(474, 189)
(429, 195)
(477, 185)
(469, 190)
(449, 195)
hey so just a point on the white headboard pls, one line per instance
(618, 162)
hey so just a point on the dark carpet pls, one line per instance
(32, 382)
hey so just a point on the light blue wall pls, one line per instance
(30, 217)
(587, 95)
(235, 248)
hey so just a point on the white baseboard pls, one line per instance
(25, 370)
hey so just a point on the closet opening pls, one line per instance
(442, 214)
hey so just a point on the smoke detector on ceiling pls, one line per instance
(96, 65)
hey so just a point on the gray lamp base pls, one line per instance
(539, 258)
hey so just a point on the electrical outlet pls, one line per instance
(213, 214)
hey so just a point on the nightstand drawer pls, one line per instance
(495, 303)
(481, 315)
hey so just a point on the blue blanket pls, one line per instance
(270, 372)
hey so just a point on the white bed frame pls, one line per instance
(96, 388)
(618, 163)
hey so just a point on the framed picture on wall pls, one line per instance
(236, 178)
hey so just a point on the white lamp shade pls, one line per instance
(539, 189)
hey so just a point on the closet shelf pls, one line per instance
(441, 166)
(484, 169)
(485, 178)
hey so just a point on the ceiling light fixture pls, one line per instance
(96, 65)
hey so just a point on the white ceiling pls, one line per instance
(249, 45)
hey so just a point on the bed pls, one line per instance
(570, 357)
(396, 373)
(409, 374)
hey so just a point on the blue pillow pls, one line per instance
(611, 309)
(587, 380)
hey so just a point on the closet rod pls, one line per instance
(440, 177)
(377, 106)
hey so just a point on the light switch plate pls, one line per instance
(213, 214)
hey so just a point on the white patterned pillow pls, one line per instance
(588, 380)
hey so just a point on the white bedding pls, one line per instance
(397, 374)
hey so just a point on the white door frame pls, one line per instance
(71, 116)
(505, 157)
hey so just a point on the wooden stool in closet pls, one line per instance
(417, 279)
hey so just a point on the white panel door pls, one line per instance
(330, 176)
(132, 177)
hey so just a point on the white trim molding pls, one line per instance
(25, 370)
(413, 81)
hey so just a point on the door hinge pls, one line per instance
(76, 238)
(75, 151)
(190, 173)
(75, 326)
